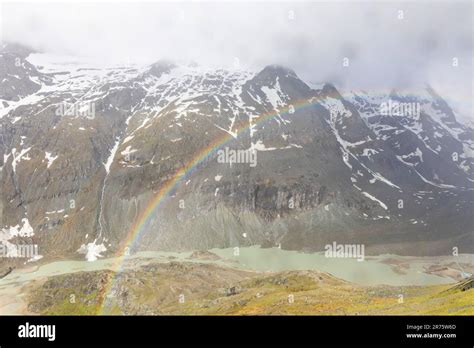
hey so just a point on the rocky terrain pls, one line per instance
(193, 288)
(85, 148)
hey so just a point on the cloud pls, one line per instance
(389, 45)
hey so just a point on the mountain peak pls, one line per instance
(16, 49)
(161, 67)
(278, 70)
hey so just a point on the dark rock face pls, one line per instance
(19, 78)
(328, 168)
(463, 285)
(5, 272)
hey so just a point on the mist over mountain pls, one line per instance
(86, 148)
(386, 44)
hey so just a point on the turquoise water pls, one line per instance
(369, 272)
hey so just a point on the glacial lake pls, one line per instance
(371, 271)
(368, 272)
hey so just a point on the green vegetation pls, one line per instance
(206, 289)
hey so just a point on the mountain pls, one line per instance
(87, 148)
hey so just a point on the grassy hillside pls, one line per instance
(193, 288)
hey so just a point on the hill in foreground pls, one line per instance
(205, 289)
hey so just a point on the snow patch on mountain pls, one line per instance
(274, 94)
(92, 250)
(368, 195)
(110, 159)
(50, 158)
(18, 157)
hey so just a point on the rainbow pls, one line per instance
(183, 173)
(170, 186)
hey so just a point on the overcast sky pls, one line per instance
(312, 38)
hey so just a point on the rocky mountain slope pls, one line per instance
(86, 148)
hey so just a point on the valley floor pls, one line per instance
(204, 283)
